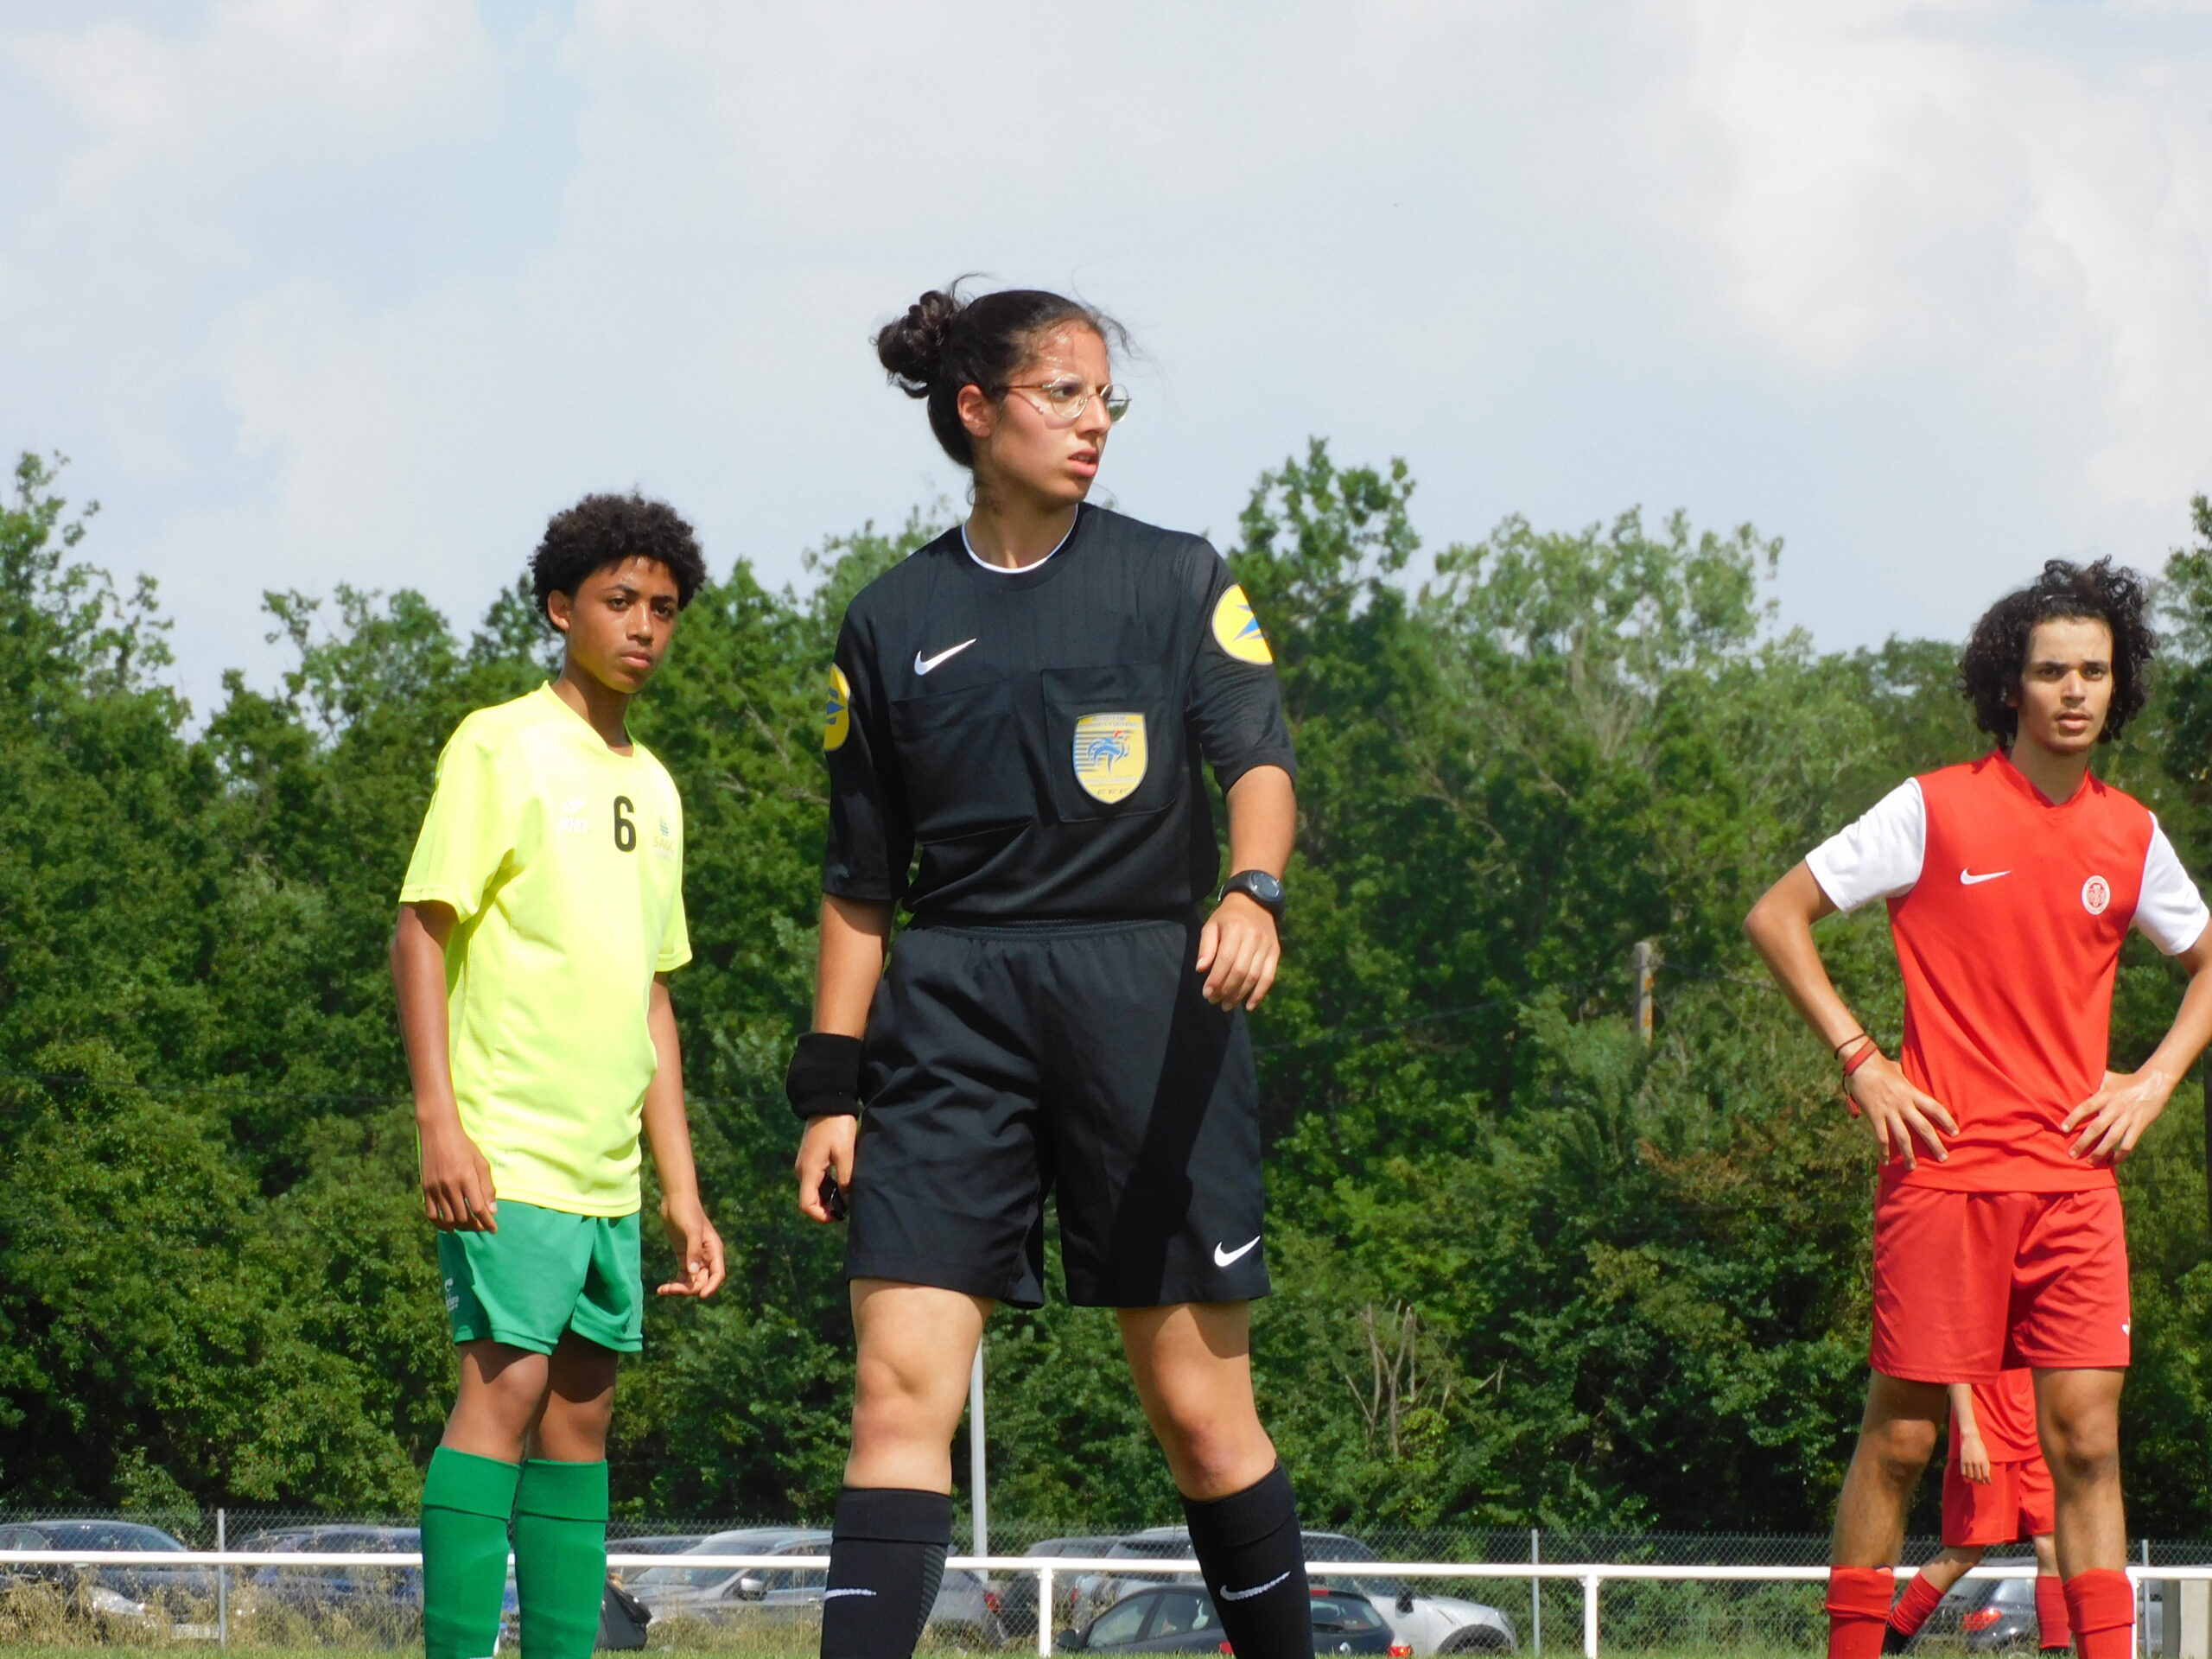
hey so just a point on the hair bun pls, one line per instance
(911, 350)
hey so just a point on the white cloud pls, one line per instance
(258, 85)
(317, 291)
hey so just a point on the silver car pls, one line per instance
(1427, 1624)
(965, 1615)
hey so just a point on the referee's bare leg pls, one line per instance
(1192, 1364)
(894, 1516)
(917, 1345)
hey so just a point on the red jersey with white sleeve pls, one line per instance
(2009, 910)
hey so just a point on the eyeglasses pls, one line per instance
(1063, 401)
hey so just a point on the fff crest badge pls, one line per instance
(1109, 755)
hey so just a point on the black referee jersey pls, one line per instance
(1038, 734)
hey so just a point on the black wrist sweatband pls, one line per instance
(824, 1079)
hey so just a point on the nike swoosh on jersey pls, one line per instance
(1968, 879)
(923, 664)
(1257, 1589)
(1222, 1257)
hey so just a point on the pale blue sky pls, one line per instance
(315, 292)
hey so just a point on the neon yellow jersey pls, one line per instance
(564, 862)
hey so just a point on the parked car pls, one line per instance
(97, 1598)
(391, 1593)
(679, 1590)
(1095, 1591)
(1180, 1618)
(139, 1590)
(1991, 1615)
(660, 1543)
(1423, 1623)
(965, 1613)
(1018, 1590)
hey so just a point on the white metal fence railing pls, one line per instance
(1592, 1575)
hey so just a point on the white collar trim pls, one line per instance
(1011, 570)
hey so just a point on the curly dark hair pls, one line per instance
(604, 530)
(1997, 650)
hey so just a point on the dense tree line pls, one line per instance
(1532, 1270)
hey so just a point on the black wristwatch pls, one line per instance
(1263, 889)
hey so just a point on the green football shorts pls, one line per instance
(543, 1272)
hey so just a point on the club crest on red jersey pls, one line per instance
(2096, 895)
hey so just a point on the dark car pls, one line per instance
(179, 1591)
(377, 1594)
(1018, 1590)
(1095, 1592)
(60, 1577)
(1180, 1618)
(1993, 1615)
(1421, 1621)
(18, 1537)
(385, 1601)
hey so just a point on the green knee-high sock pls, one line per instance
(561, 1556)
(466, 1503)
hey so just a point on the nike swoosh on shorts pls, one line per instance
(923, 664)
(832, 1595)
(1257, 1589)
(1223, 1256)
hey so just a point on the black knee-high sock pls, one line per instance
(1254, 1558)
(886, 1559)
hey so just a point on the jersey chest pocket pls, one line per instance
(960, 754)
(1112, 748)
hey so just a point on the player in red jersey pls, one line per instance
(1996, 1490)
(2012, 882)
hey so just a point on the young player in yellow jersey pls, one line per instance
(540, 917)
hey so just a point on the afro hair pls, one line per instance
(604, 530)
(1997, 650)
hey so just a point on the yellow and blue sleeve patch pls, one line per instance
(837, 710)
(1236, 630)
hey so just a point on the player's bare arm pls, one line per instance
(1974, 1452)
(2113, 1119)
(1239, 948)
(855, 936)
(1781, 928)
(457, 1193)
(698, 1246)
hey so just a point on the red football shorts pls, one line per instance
(1967, 1284)
(2014, 1503)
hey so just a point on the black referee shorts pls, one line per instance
(1005, 1063)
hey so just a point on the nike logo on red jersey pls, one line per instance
(1967, 878)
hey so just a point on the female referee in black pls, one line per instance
(1028, 702)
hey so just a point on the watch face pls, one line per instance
(1261, 885)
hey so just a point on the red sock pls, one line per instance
(1913, 1607)
(1858, 1610)
(2053, 1628)
(2101, 1605)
